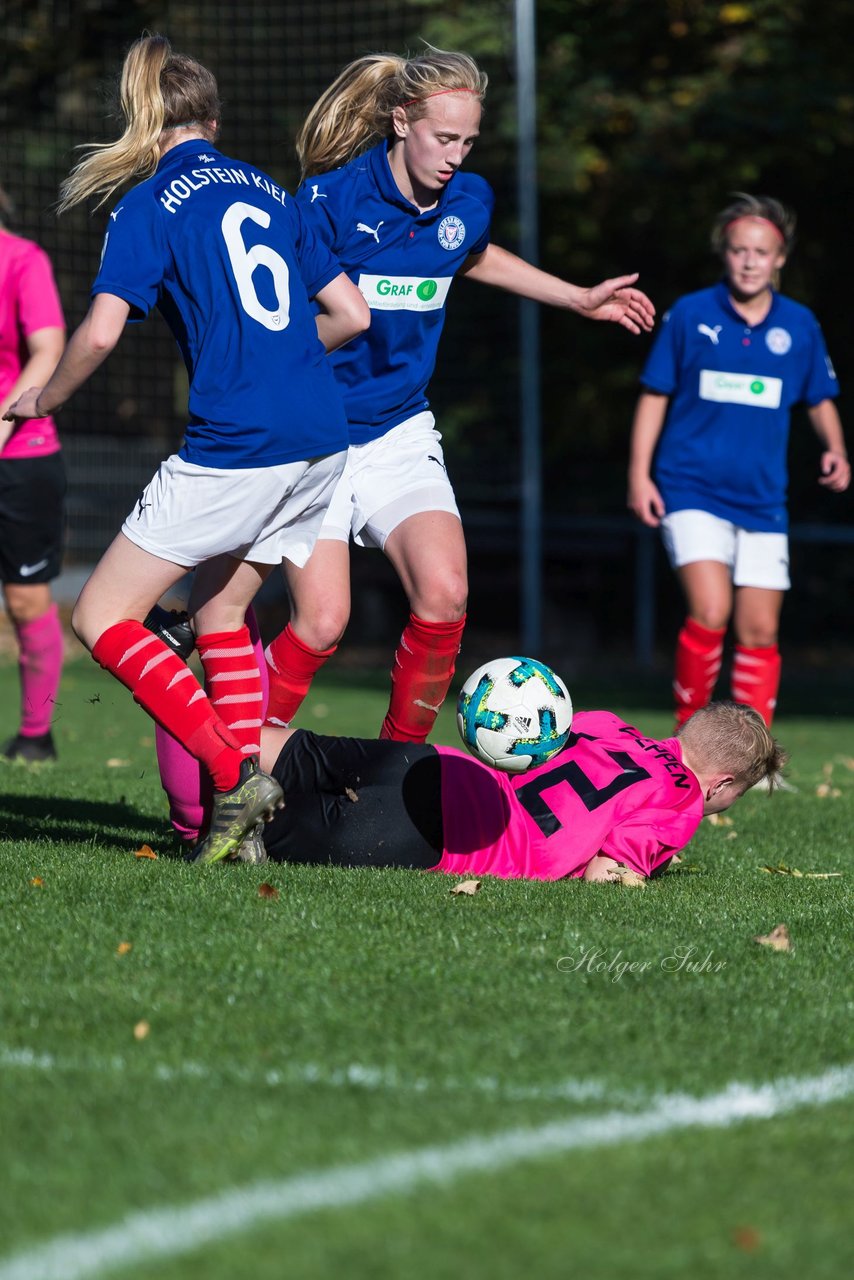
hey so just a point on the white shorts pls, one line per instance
(755, 559)
(385, 481)
(188, 513)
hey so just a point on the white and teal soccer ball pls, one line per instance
(514, 714)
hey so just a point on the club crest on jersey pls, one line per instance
(778, 341)
(452, 232)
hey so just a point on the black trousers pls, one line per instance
(357, 802)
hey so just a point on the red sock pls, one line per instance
(291, 667)
(756, 678)
(167, 689)
(233, 684)
(698, 662)
(420, 678)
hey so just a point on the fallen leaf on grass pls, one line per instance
(466, 886)
(747, 1239)
(674, 857)
(123, 948)
(847, 762)
(141, 1030)
(782, 870)
(732, 835)
(825, 791)
(778, 939)
(37, 882)
(115, 763)
(351, 794)
(267, 890)
(145, 851)
(719, 820)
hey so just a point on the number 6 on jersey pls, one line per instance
(244, 262)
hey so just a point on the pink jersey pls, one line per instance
(28, 302)
(609, 791)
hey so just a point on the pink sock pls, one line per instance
(40, 666)
(186, 784)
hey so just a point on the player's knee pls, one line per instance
(83, 625)
(757, 636)
(711, 615)
(442, 601)
(323, 627)
(26, 604)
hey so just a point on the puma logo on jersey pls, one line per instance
(712, 334)
(317, 194)
(114, 215)
(370, 231)
(27, 570)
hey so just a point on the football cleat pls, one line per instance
(252, 848)
(236, 812)
(174, 629)
(38, 749)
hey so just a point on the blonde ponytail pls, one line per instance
(356, 110)
(159, 90)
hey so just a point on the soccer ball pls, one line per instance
(514, 714)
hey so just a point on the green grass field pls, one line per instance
(369, 1076)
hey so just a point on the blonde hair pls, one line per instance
(730, 737)
(158, 90)
(356, 110)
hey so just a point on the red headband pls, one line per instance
(438, 94)
(757, 217)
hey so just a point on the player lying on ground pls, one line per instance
(611, 796)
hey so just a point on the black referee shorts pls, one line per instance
(357, 802)
(32, 519)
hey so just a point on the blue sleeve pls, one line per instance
(661, 370)
(821, 382)
(317, 264)
(480, 189)
(134, 258)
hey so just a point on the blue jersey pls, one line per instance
(403, 262)
(226, 257)
(732, 387)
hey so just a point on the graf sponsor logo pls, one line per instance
(404, 293)
(741, 388)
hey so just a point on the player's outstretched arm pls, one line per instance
(44, 347)
(88, 347)
(835, 467)
(613, 300)
(643, 498)
(343, 313)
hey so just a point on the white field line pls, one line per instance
(167, 1233)
(355, 1075)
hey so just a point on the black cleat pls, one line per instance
(34, 750)
(174, 629)
(236, 812)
